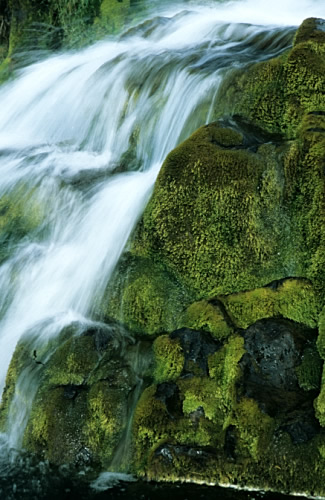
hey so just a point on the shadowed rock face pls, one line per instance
(197, 346)
(274, 351)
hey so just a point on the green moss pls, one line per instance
(202, 392)
(303, 167)
(169, 359)
(292, 298)
(321, 334)
(144, 297)
(73, 361)
(105, 421)
(225, 370)
(309, 372)
(225, 204)
(276, 94)
(254, 428)
(208, 317)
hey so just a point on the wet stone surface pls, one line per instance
(197, 346)
(274, 350)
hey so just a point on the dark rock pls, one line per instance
(301, 425)
(196, 415)
(275, 348)
(168, 393)
(230, 443)
(71, 391)
(168, 452)
(197, 346)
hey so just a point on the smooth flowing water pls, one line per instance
(82, 138)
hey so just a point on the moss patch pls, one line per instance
(206, 316)
(144, 296)
(291, 298)
(225, 204)
(169, 359)
(277, 93)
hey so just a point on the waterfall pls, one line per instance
(82, 137)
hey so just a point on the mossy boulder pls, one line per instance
(208, 428)
(246, 214)
(80, 410)
(290, 298)
(276, 94)
(144, 296)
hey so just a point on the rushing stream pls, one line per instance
(82, 137)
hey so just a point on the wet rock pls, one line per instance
(71, 391)
(168, 451)
(230, 443)
(197, 346)
(274, 351)
(168, 393)
(301, 425)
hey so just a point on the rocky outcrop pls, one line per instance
(224, 285)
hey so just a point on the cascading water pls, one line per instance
(82, 138)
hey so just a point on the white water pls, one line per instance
(76, 114)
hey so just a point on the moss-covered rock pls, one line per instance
(291, 298)
(225, 202)
(276, 94)
(80, 410)
(144, 297)
(243, 219)
(191, 412)
(207, 316)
